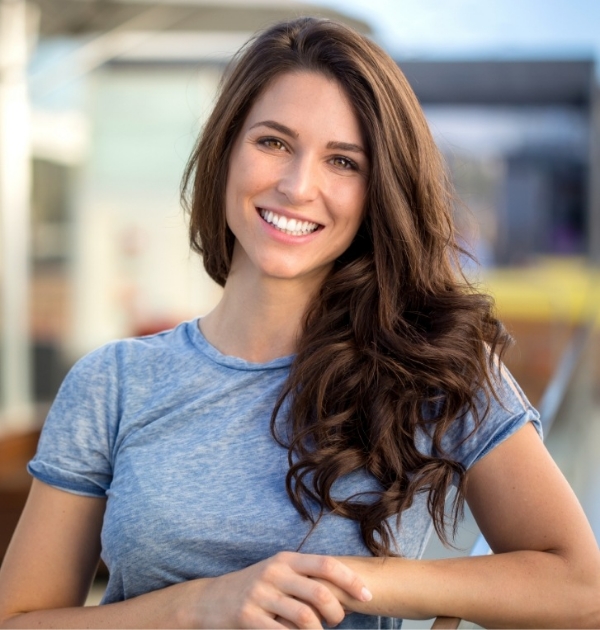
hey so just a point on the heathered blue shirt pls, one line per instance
(176, 436)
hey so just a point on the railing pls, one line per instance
(549, 407)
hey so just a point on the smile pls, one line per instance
(288, 226)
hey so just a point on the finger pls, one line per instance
(284, 622)
(262, 620)
(300, 614)
(334, 571)
(317, 595)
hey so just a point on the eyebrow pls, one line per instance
(345, 146)
(277, 126)
(284, 129)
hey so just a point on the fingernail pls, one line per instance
(366, 594)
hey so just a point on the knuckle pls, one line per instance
(253, 592)
(268, 572)
(328, 565)
(283, 556)
(305, 617)
(322, 594)
(338, 617)
(244, 614)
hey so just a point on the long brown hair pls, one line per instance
(396, 341)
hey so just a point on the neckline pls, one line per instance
(237, 363)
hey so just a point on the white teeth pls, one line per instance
(289, 226)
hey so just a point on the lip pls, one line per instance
(287, 214)
(282, 237)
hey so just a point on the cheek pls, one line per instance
(350, 203)
(229, 202)
(248, 180)
(239, 187)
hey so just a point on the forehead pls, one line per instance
(308, 101)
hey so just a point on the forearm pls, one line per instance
(280, 587)
(165, 608)
(517, 589)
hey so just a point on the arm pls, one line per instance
(546, 567)
(54, 553)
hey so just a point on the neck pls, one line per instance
(258, 319)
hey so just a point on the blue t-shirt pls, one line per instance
(176, 436)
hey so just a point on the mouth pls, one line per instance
(293, 227)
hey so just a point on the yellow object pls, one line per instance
(563, 289)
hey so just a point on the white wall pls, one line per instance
(132, 264)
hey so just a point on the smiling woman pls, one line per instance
(294, 201)
(280, 463)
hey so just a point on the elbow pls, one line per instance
(584, 606)
(589, 614)
(13, 619)
(8, 621)
(587, 618)
(572, 597)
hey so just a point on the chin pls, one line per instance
(279, 269)
(281, 274)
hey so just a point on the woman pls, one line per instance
(279, 462)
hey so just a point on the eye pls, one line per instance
(272, 143)
(344, 163)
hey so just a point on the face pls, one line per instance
(297, 179)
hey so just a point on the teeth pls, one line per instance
(289, 226)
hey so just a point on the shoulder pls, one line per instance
(149, 352)
(123, 371)
(103, 394)
(508, 393)
(495, 416)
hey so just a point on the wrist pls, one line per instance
(375, 573)
(186, 606)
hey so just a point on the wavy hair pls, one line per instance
(396, 341)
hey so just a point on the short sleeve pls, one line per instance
(75, 448)
(508, 411)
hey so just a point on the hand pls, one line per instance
(279, 592)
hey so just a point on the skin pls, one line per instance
(546, 567)
(298, 174)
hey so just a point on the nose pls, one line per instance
(299, 180)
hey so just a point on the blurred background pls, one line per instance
(101, 102)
